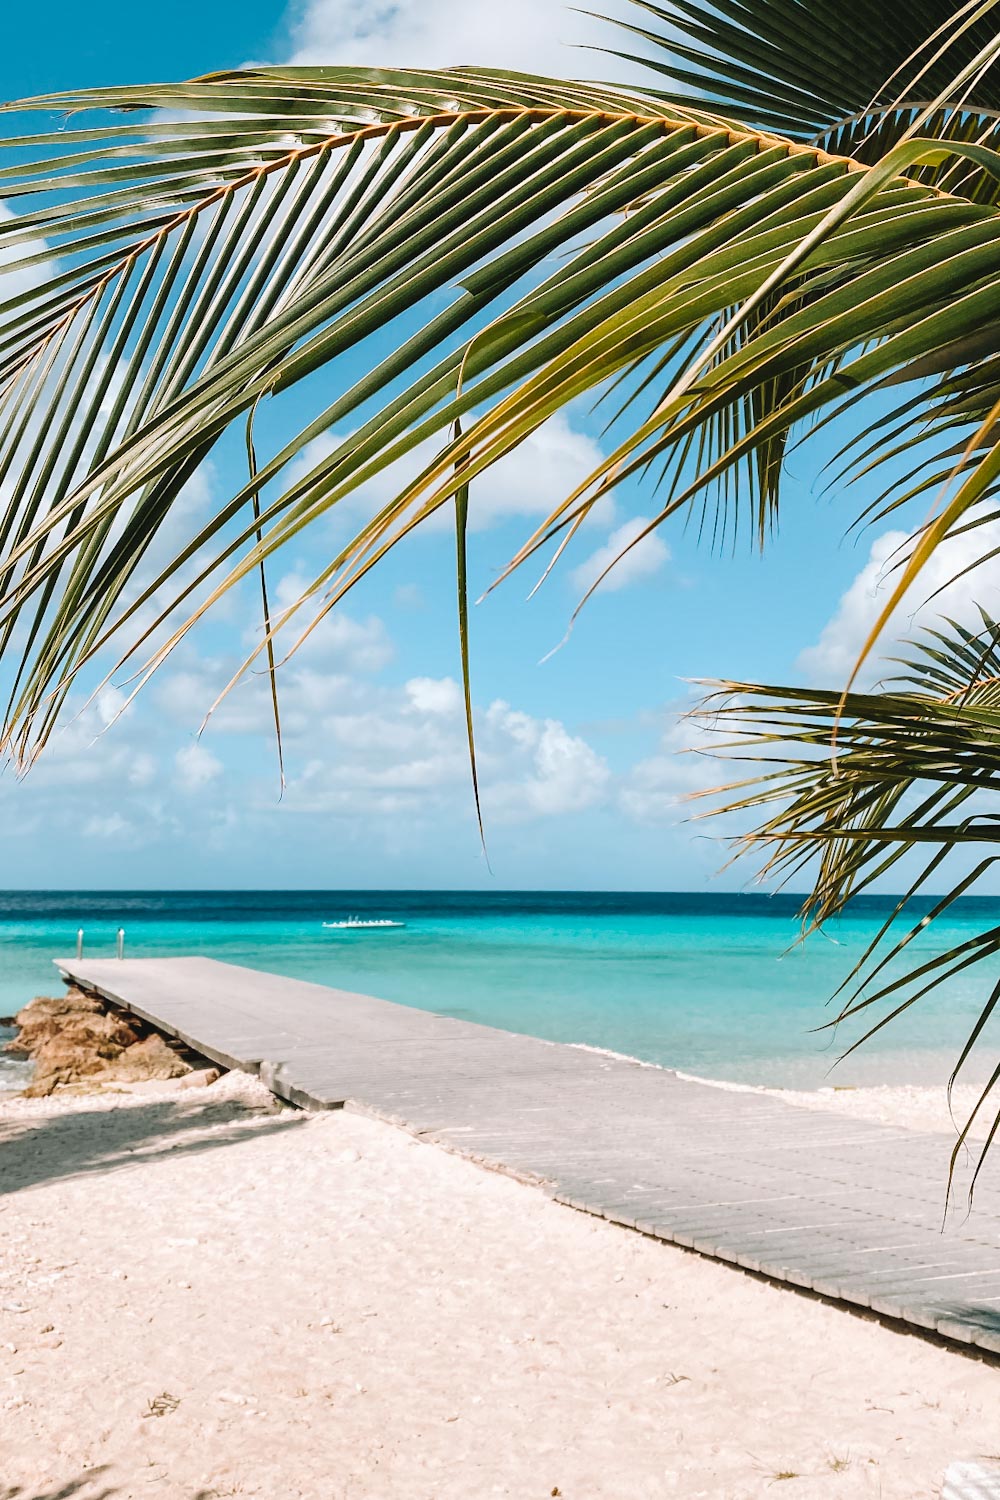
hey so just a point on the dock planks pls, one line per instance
(845, 1208)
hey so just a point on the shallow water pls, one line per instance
(711, 985)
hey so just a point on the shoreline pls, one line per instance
(908, 1106)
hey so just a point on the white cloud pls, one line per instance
(15, 277)
(359, 747)
(195, 768)
(108, 705)
(530, 481)
(142, 771)
(658, 787)
(562, 773)
(833, 656)
(534, 36)
(408, 755)
(434, 695)
(340, 640)
(112, 827)
(80, 754)
(641, 561)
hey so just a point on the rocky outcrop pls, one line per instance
(72, 1019)
(77, 1040)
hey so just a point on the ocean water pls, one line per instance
(714, 985)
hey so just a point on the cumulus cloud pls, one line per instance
(657, 788)
(561, 772)
(641, 561)
(832, 657)
(358, 746)
(142, 771)
(196, 768)
(111, 826)
(407, 754)
(434, 695)
(80, 754)
(15, 276)
(534, 36)
(401, 751)
(530, 481)
(339, 641)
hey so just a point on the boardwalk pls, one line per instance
(849, 1209)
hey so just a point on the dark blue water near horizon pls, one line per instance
(715, 984)
(275, 905)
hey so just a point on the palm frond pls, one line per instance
(854, 784)
(190, 294)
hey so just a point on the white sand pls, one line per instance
(902, 1106)
(201, 1297)
(912, 1107)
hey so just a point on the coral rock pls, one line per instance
(153, 1057)
(76, 1039)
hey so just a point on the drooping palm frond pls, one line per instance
(856, 79)
(199, 266)
(190, 284)
(855, 784)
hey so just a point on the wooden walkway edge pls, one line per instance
(848, 1209)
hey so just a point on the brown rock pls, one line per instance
(72, 1017)
(48, 1036)
(153, 1057)
(70, 1001)
(55, 1065)
(75, 1039)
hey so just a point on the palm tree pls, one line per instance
(794, 219)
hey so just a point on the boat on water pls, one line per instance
(353, 923)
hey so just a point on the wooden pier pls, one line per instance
(850, 1210)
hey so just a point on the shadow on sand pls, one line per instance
(90, 1486)
(44, 1149)
(87, 1487)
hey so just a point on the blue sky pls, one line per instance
(582, 787)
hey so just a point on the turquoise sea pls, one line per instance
(710, 984)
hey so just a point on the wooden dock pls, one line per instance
(850, 1210)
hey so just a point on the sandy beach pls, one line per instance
(363, 925)
(206, 1295)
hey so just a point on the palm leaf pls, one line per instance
(852, 77)
(854, 783)
(207, 284)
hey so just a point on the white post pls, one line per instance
(121, 942)
(79, 943)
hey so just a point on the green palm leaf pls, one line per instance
(856, 783)
(852, 77)
(261, 275)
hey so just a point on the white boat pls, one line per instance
(353, 923)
